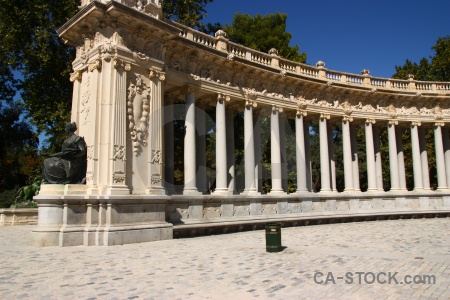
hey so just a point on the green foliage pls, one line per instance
(7, 198)
(18, 159)
(437, 68)
(186, 12)
(263, 33)
(30, 46)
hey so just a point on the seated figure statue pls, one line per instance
(69, 165)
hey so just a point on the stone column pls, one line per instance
(249, 148)
(200, 119)
(417, 164)
(393, 159)
(221, 148)
(230, 151)
(284, 171)
(169, 162)
(275, 153)
(401, 159)
(324, 158)
(424, 159)
(156, 152)
(378, 164)
(355, 163)
(308, 172)
(300, 152)
(257, 143)
(446, 143)
(118, 131)
(331, 158)
(347, 152)
(190, 166)
(370, 156)
(440, 160)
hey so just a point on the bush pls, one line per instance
(7, 198)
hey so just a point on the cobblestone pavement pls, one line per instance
(236, 266)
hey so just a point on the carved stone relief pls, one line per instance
(119, 152)
(138, 112)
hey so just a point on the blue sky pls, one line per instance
(350, 35)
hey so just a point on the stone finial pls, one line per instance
(365, 72)
(273, 52)
(410, 77)
(220, 33)
(320, 64)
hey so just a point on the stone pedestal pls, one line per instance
(70, 217)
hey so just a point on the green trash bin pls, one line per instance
(273, 237)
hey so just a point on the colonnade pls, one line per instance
(195, 149)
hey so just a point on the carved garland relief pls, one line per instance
(138, 105)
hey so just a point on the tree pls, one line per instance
(436, 68)
(263, 33)
(18, 158)
(187, 12)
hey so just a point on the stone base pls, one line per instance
(18, 216)
(70, 217)
(78, 235)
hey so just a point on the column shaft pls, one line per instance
(347, 152)
(393, 159)
(201, 150)
(300, 154)
(190, 167)
(249, 150)
(401, 159)
(446, 144)
(324, 158)
(424, 159)
(378, 164)
(355, 160)
(230, 151)
(417, 164)
(370, 158)
(221, 149)
(440, 161)
(169, 163)
(275, 153)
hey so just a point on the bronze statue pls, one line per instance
(69, 165)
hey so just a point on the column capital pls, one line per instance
(249, 102)
(77, 75)
(416, 123)
(277, 108)
(301, 113)
(347, 119)
(119, 63)
(95, 65)
(393, 122)
(223, 97)
(439, 123)
(158, 75)
(324, 116)
(370, 121)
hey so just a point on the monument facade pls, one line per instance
(132, 65)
